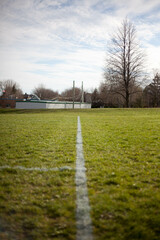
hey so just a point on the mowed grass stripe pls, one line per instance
(33, 204)
(84, 225)
(36, 168)
(122, 153)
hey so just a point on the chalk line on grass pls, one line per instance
(84, 224)
(36, 168)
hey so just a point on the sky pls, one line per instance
(56, 42)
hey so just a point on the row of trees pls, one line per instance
(10, 89)
(104, 96)
(66, 95)
(124, 77)
(148, 96)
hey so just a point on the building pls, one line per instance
(45, 104)
(7, 103)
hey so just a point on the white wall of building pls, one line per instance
(51, 105)
(30, 105)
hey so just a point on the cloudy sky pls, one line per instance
(54, 42)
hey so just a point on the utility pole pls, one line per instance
(73, 93)
(82, 100)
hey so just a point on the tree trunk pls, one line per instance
(127, 99)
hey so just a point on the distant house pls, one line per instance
(10, 101)
(7, 103)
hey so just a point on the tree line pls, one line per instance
(104, 96)
(125, 78)
(10, 89)
(149, 96)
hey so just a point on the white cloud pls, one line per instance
(57, 41)
(153, 57)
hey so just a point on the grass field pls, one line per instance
(122, 153)
(35, 204)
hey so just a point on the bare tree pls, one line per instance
(67, 94)
(125, 62)
(10, 89)
(45, 93)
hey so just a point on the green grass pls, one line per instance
(122, 153)
(34, 204)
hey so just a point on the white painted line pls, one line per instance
(37, 168)
(84, 224)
